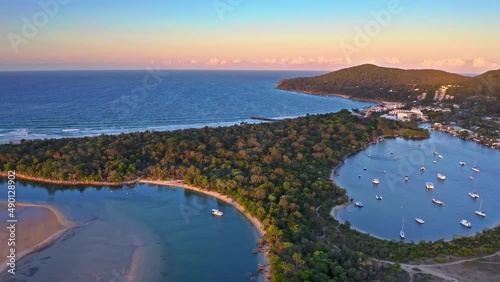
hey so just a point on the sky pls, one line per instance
(453, 35)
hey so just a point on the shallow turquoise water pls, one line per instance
(411, 199)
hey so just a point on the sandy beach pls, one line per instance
(256, 223)
(38, 227)
(176, 183)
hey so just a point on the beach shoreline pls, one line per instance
(344, 96)
(62, 219)
(255, 222)
(170, 183)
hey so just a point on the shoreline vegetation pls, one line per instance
(64, 224)
(279, 172)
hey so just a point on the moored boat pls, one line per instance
(438, 202)
(479, 211)
(429, 185)
(440, 156)
(402, 232)
(473, 194)
(407, 178)
(376, 181)
(378, 197)
(217, 212)
(441, 176)
(358, 204)
(419, 220)
(461, 163)
(466, 223)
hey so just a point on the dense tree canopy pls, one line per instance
(278, 171)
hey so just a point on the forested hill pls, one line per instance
(380, 83)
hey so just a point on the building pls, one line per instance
(413, 114)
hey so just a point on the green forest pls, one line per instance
(279, 171)
(392, 84)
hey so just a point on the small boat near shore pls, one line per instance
(435, 201)
(429, 185)
(217, 212)
(419, 220)
(466, 223)
(402, 232)
(358, 204)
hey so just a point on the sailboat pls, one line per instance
(474, 168)
(378, 196)
(473, 194)
(480, 212)
(402, 232)
(422, 168)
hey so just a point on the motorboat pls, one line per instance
(441, 176)
(419, 220)
(438, 202)
(466, 223)
(217, 212)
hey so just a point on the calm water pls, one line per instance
(411, 199)
(85, 103)
(179, 238)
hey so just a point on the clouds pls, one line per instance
(454, 64)
(478, 63)
(288, 62)
(448, 62)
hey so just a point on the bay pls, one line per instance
(410, 199)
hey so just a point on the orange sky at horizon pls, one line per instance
(71, 40)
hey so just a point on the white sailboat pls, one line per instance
(473, 194)
(474, 168)
(402, 232)
(479, 211)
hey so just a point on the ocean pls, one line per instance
(178, 238)
(58, 104)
